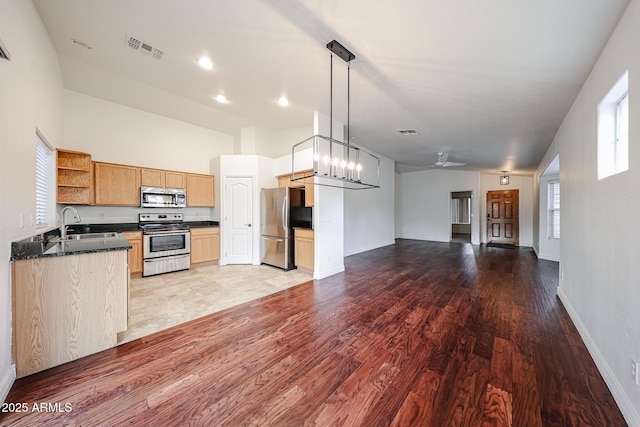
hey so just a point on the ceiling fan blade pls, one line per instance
(442, 158)
(450, 164)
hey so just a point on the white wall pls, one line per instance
(328, 214)
(369, 215)
(548, 249)
(599, 248)
(115, 133)
(524, 185)
(272, 143)
(423, 203)
(31, 87)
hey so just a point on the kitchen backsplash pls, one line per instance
(116, 214)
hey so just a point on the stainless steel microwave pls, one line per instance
(160, 197)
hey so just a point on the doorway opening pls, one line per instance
(503, 219)
(461, 216)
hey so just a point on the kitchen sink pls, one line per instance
(85, 236)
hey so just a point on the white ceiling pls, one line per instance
(488, 82)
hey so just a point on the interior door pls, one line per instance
(502, 216)
(238, 224)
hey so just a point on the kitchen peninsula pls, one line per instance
(70, 297)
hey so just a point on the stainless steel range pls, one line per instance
(165, 243)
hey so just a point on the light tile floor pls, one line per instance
(159, 302)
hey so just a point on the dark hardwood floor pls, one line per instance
(415, 334)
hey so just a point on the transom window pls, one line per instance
(613, 130)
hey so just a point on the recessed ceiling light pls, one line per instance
(205, 63)
(222, 99)
(283, 101)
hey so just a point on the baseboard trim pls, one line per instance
(622, 399)
(371, 247)
(547, 257)
(8, 379)
(322, 274)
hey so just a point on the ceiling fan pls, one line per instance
(443, 163)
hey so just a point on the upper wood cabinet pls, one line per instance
(309, 193)
(200, 191)
(117, 184)
(176, 179)
(73, 177)
(162, 178)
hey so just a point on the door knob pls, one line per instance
(248, 225)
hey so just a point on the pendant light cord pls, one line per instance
(331, 99)
(348, 100)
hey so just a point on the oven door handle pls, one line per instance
(165, 233)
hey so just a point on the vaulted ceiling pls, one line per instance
(488, 82)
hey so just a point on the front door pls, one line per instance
(502, 216)
(238, 224)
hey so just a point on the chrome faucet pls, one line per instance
(63, 226)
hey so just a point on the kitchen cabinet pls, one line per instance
(135, 253)
(309, 194)
(304, 252)
(200, 192)
(73, 177)
(67, 307)
(162, 178)
(205, 244)
(116, 184)
(176, 179)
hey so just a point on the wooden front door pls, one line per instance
(502, 216)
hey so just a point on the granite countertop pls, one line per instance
(39, 246)
(202, 224)
(121, 227)
(28, 249)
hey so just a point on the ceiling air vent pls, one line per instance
(142, 47)
(407, 132)
(4, 53)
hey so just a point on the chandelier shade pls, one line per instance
(333, 163)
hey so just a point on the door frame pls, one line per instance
(488, 213)
(226, 211)
(471, 215)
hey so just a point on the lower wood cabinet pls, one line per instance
(67, 307)
(304, 252)
(135, 253)
(205, 244)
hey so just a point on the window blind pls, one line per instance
(44, 159)
(554, 210)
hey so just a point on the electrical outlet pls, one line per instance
(635, 371)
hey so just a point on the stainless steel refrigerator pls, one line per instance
(276, 232)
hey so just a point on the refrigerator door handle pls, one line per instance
(284, 219)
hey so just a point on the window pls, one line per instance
(44, 172)
(461, 208)
(613, 130)
(553, 208)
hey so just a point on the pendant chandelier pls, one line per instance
(335, 163)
